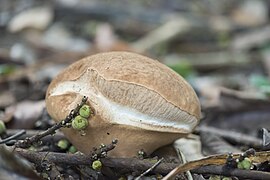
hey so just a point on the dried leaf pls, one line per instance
(25, 114)
(38, 17)
(190, 147)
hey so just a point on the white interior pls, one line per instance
(120, 114)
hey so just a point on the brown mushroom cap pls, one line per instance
(133, 98)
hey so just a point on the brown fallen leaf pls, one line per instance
(24, 114)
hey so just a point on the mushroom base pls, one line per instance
(101, 131)
(130, 140)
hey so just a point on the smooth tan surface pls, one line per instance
(137, 100)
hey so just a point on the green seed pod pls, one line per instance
(72, 149)
(239, 165)
(2, 127)
(97, 165)
(85, 111)
(63, 144)
(246, 163)
(79, 123)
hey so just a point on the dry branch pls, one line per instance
(133, 164)
(259, 157)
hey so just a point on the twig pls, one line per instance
(103, 150)
(211, 60)
(251, 39)
(29, 141)
(224, 171)
(150, 169)
(234, 136)
(164, 33)
(131, 164)
(259, 157)
(57, 136)
(18, 134)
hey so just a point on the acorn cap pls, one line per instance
(127, 92)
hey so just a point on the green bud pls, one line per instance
(239, 165)
(85, 111)
(97, 165)
(2, 127)
(245, 164)
(79, 123)
(63, 144)
(72, 149)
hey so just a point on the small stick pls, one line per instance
(234, 136)
(131, 163)
(18, 134)
(150, 169)
(58, 135)
(224, 171)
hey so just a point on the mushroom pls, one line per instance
(135, 99)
